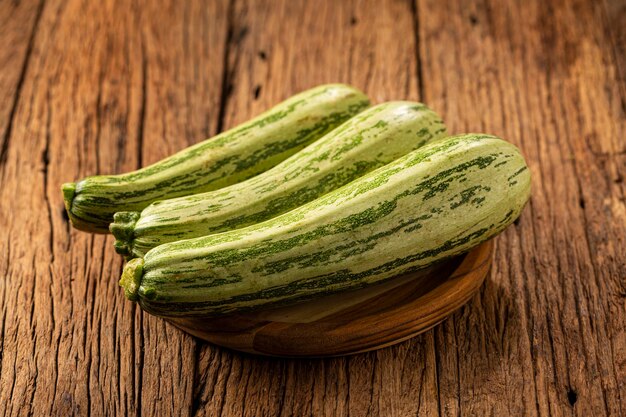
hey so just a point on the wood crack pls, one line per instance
(621, 70)
(418, 57)
(14, 379)
(594, 268)
(347, 371)
(227, 72)
(193, 406)
(437, 363)
(46, 163)
(142, 109)
(99, 119)
(8, 274)
(20, 82)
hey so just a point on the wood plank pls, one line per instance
(103, 94)
(615, 26)
(547, 335)
(276, 49)
(54, 341)
(184, 46)
(280, 48)
(18, 25)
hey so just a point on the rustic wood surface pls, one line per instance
(92, 87)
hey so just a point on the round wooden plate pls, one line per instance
(348, 323)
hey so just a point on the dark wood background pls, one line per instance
(91, 87)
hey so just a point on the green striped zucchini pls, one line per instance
(369, 140)
(437, 201)
(225, 159)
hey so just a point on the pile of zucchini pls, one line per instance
(320, 194)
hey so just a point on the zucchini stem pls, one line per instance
(69, 195)
(131, 278)
(69, 189)
(123, 228)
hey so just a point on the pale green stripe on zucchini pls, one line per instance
(437, 201)
(225, 159)
(367, 141)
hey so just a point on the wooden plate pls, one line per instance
(354, 322)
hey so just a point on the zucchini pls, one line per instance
(225, 159)
(369, 140)
(435, 202)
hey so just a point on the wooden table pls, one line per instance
(91, 87)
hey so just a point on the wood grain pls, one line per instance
(614, 17)
(108, 93)
(100, 87)
(18, 25)
(550, 323)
